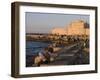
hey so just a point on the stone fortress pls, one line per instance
(77, 27)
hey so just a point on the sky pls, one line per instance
(45, 22)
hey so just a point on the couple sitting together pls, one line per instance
(45, 56)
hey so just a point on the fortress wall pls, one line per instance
(75, 28)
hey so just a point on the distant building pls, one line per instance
(60, 31)
(78, 27)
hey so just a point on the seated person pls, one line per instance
(50, 49)
(45, 56)
(51, 52)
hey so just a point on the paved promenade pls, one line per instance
(71, 55)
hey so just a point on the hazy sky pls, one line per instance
(45, 22)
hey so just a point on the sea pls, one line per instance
(34, 47)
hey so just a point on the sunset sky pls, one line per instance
(45, 22)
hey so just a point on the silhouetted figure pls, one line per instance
(50, 49)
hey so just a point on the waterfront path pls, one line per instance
(70, 55)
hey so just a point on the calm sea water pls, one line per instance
(33, 47)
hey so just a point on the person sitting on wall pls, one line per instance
(43, 57)
(51, 52)
(50, 49)
(46, 55)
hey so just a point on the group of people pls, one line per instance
(45, 56)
